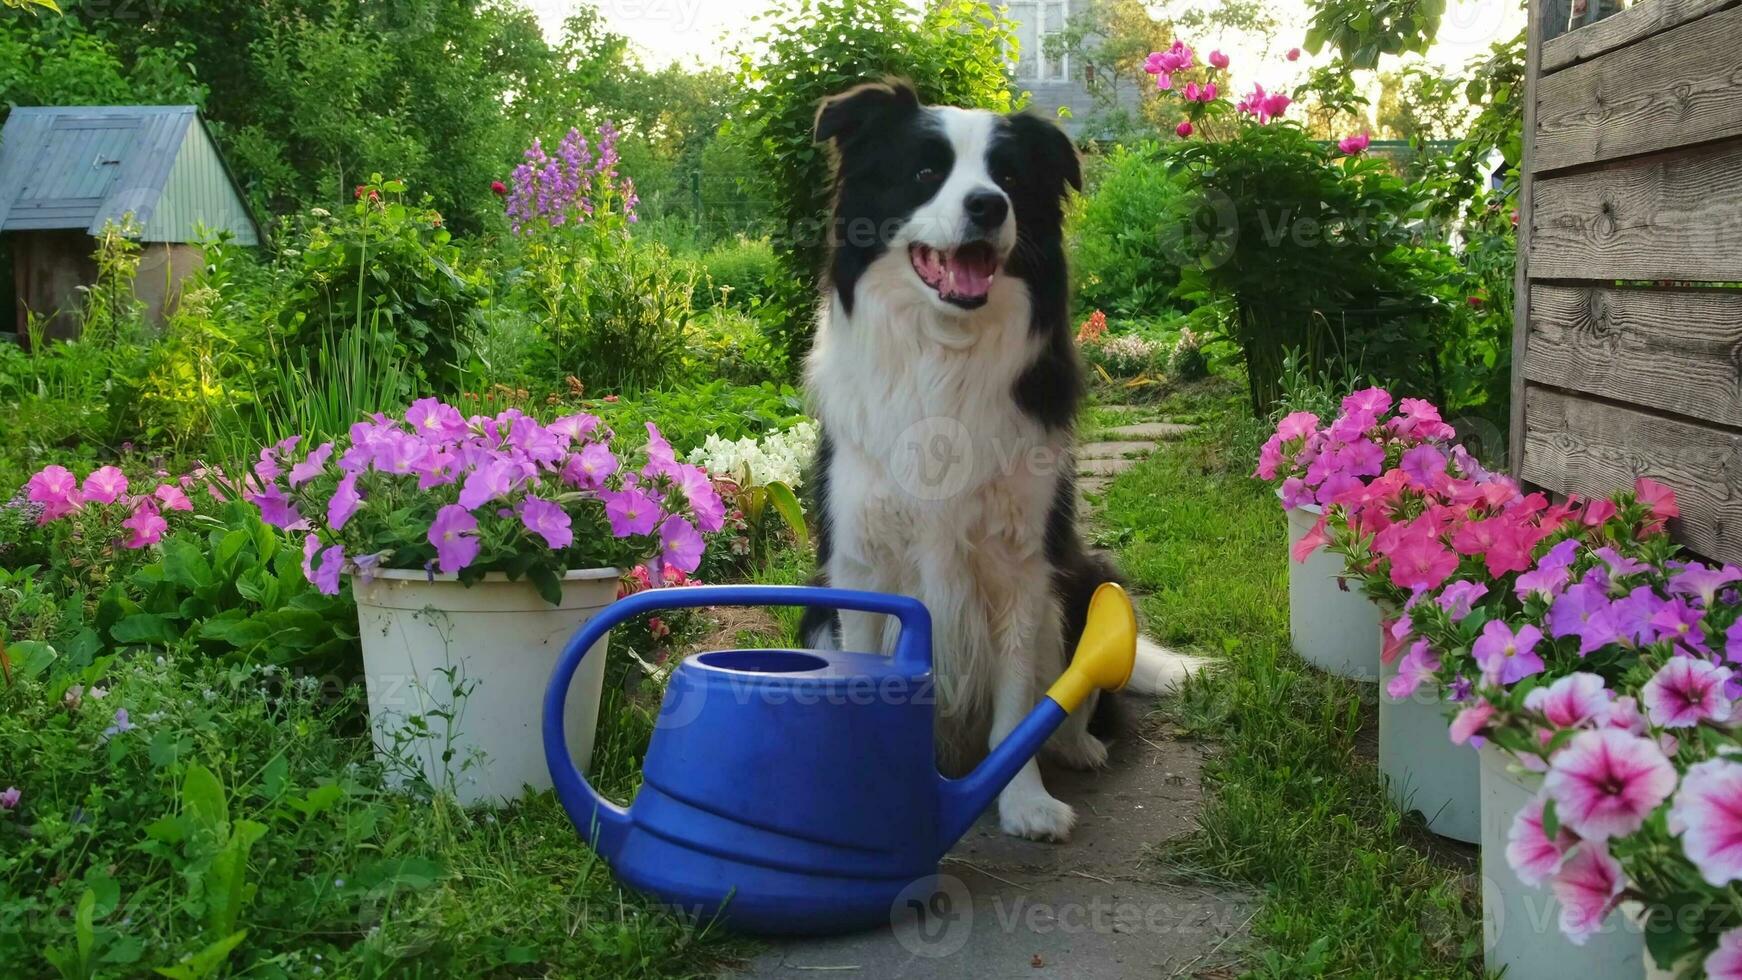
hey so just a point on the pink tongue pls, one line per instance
(972, 280)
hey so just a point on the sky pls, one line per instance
(701, 31)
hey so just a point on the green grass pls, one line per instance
(1293, 806)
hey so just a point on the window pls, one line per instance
(1036, 21)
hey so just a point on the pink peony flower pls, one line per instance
(56, 490)
(1533, 857)
(1316, 538)
(1354, 145)
(1606, 782)
(1507, 657)
(1574, 700)
(104, 486)
(548, 521)
(146, 527)
(1687, 691)
(455, 537)
(1470, 722)
(1293, 54)
(1218, 60)
(1587, 885)
(1708, 816)
(1184, 129)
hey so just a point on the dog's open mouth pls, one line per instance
(962, 275)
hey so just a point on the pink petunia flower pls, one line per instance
(1707, 815)
(1507, 657)
(1588, 886)
(1530, 852)
(704, 500)
(1297, 425)
(1657, 498)
(310, 467)
(492, 480)
(548, 521)
(1606, 782)
(1459, 598)
(56, 490)
(576, 427)
(146, 527)
(1687, 691)
(345, 503)
(455, 537)
(104, 486)
(172, 498)
(1470, 721)
(631, 512)
(680, 545)
(1420, 561)
(1417, 667)
(1725, 962)
(1574, 700)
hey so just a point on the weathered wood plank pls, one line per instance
(1539, 13)
(1636, 23)
(1676, 216)
(1680, 87)
(1594, 449)
(1677, 351)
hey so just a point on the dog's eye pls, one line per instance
(927, 175)
(1005, 179)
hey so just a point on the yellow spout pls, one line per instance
(1107, 653)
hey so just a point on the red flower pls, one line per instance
(498, 188)
(1475, 301)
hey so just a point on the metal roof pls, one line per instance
(83, 166)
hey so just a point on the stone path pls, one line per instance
(1099, 907)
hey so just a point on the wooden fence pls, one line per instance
(1628, 350)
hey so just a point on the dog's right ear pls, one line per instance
(844, 117)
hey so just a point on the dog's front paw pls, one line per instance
(1036, 817)
(1082, 752)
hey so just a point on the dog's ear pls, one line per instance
(844, 117)
(1054, 156)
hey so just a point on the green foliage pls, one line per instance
(809, 50)
(733, 346)
(634, 316)
(381, 266)
(1314, 253)
(1122, 264)
(741, 273)
(1361, 31)
(688, 415)
(237, 590)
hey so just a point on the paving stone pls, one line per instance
(1114, 450)
(1104, 467)
(1152, 430)
(1097, 908)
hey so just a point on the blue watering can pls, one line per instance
(796, 791)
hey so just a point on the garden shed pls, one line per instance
(1628, 347)
(67, 171)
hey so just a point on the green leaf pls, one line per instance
(207, 962)
(29, 658)
(786, 504)
(145, 628)
(547, 582)
(319, 799)
(1551, 822)
(202, 796)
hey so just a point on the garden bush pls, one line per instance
(387, 269)
(1122, 264)
(741, 273)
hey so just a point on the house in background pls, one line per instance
(67, 172)
(1063, 79)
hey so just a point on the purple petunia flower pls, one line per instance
(1704, 581)
(631, 512)
(311, 467)
(455, 537)
(1507, 657)
(345, 503)
(548, 521)
(123, 723)
(10, 798)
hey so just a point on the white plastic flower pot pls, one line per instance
(456, 677)
(1332, 625)
(1521, 924)
(1423, 770)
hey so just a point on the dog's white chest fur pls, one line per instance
(940, 485)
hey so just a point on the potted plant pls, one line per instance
(1596, 679)
(477, 547)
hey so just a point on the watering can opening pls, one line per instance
(763, 661)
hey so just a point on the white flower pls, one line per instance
(779, 458)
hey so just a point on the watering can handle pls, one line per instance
(608, 821)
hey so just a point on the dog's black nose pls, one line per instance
(987, 209)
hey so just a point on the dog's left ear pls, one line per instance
(1055, 156)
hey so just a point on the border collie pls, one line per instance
(946, 380)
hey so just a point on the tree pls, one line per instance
(954, 52)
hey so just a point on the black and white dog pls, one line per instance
(946, 380)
